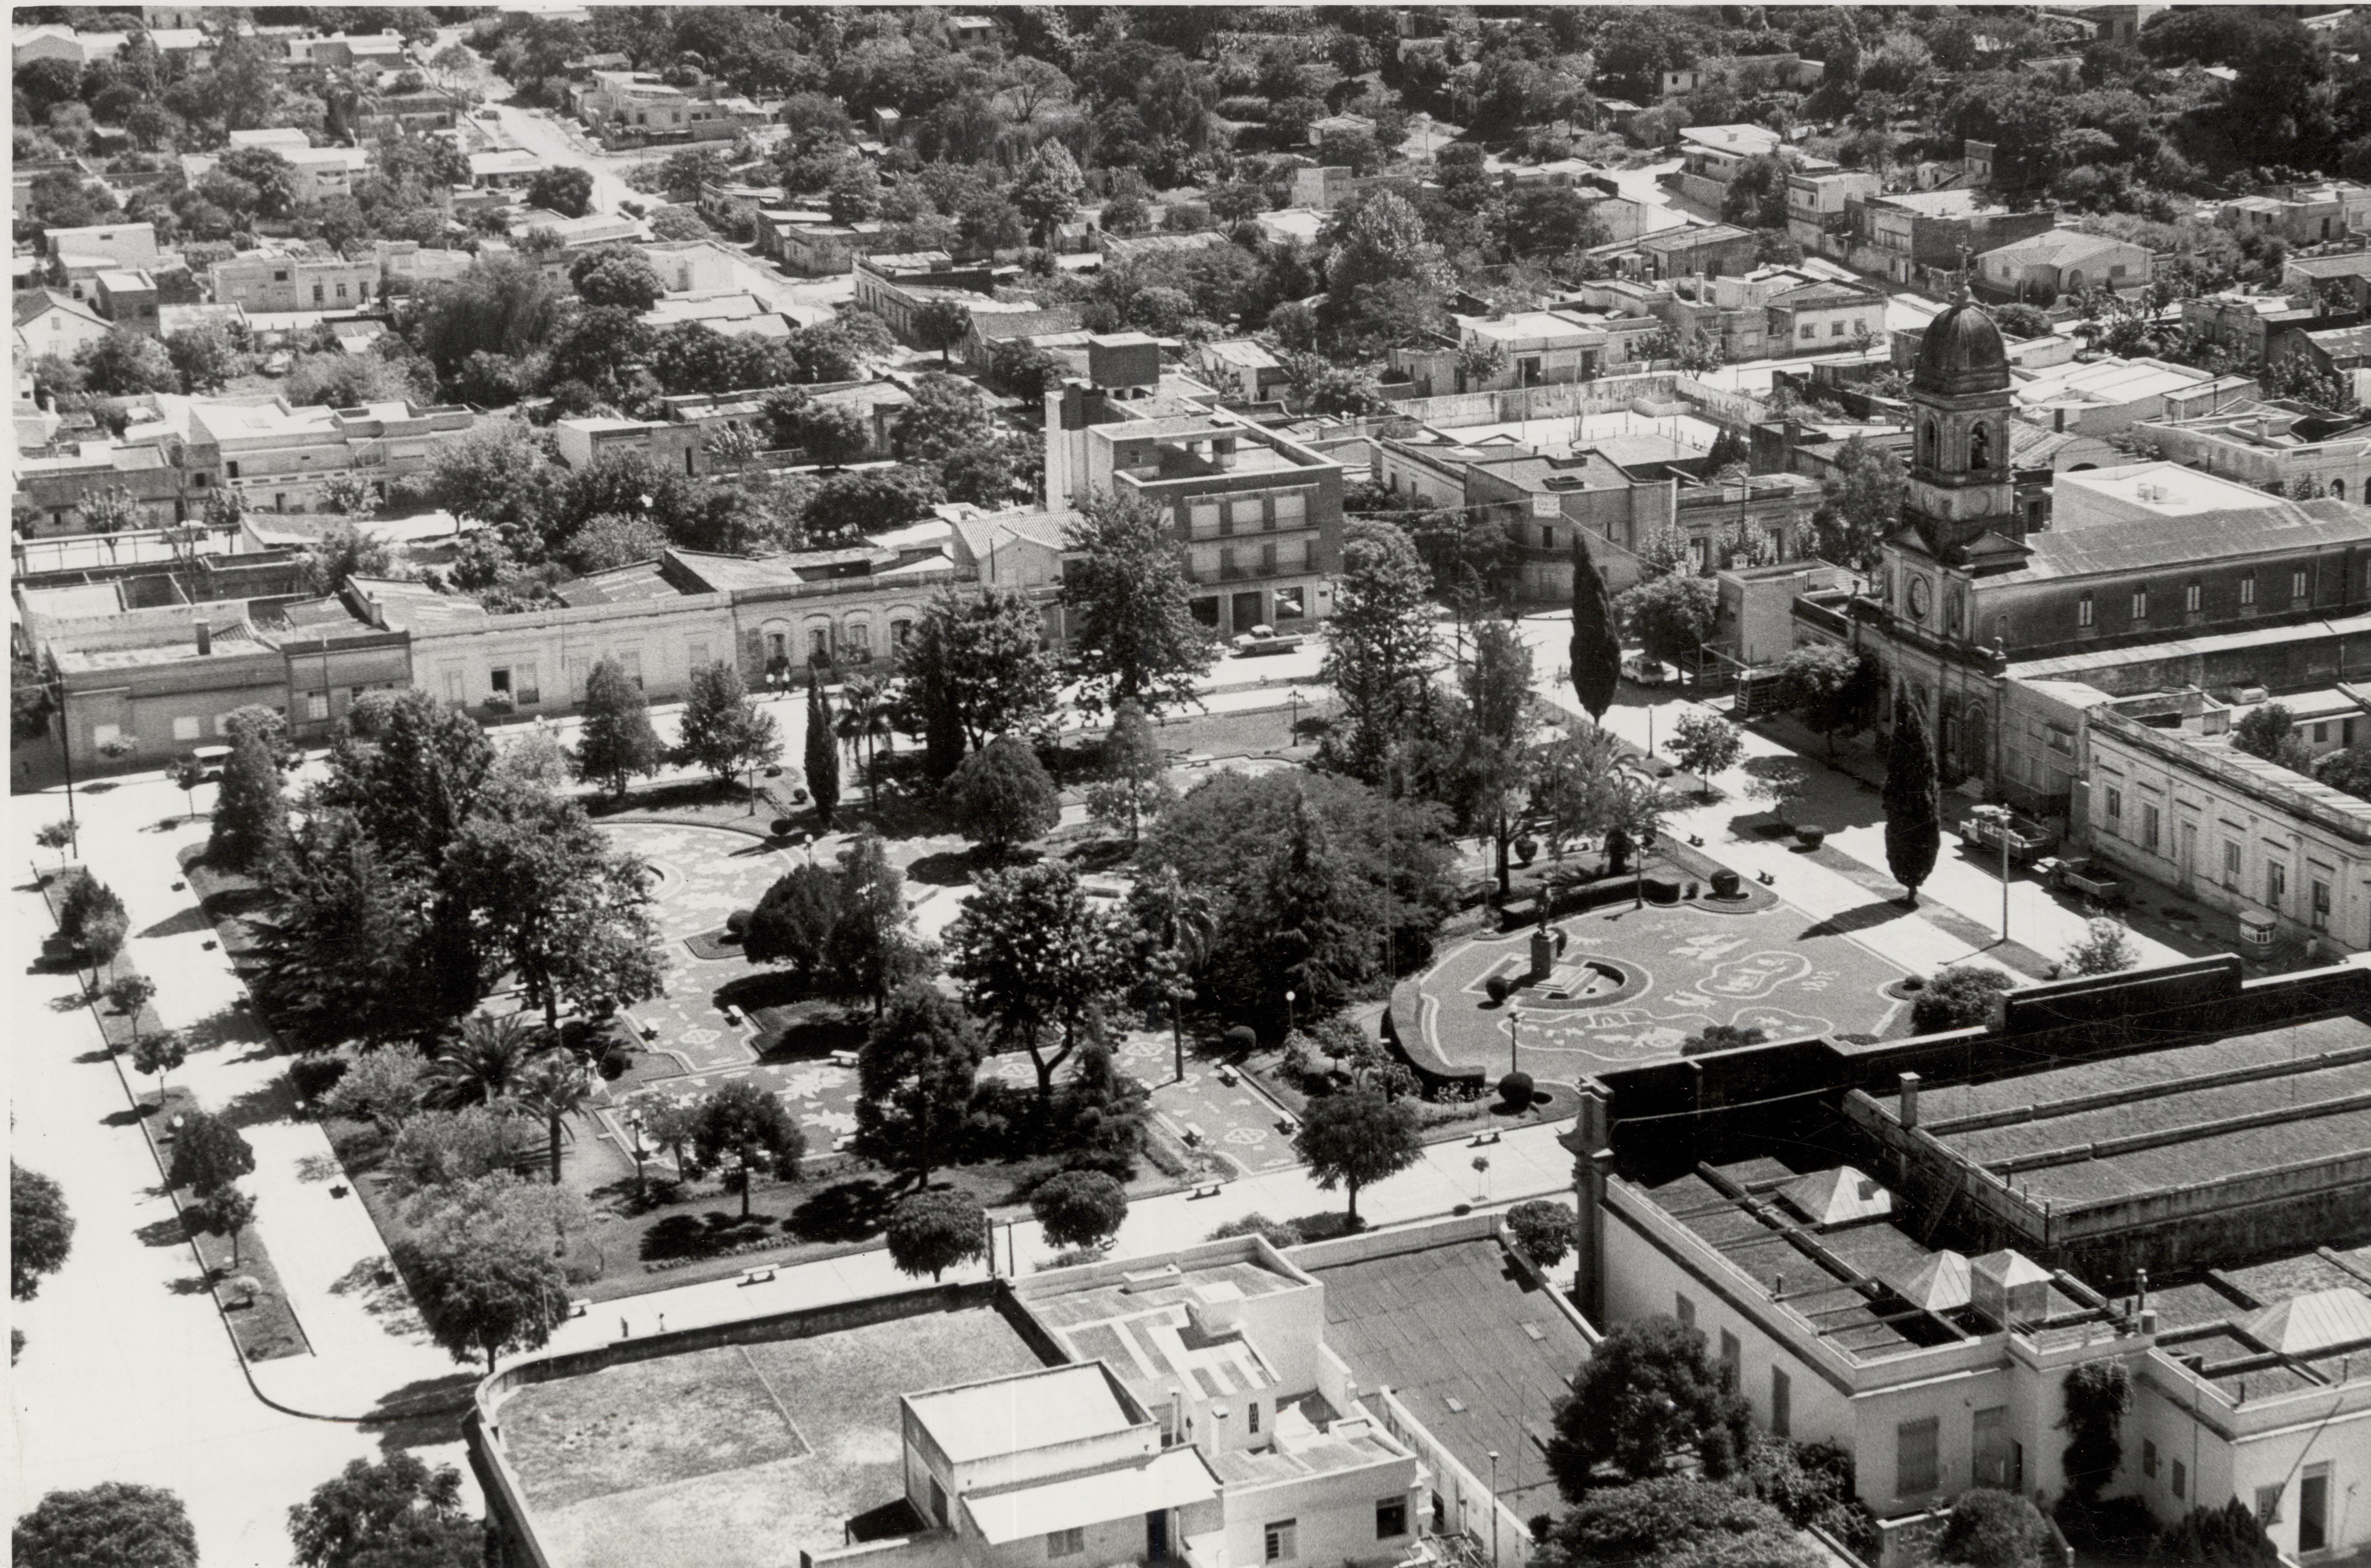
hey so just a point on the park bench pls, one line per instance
(1207, 1190)
(761, 1275)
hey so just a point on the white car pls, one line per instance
(1640, 670)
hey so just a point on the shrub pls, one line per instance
(1279, 1233)
(616, 1062)
(1242, 1039)
(1515, 1090)
(1957, 998)
(783, 827)
(1079, 1208)
(315, 1075)
(1499, 987)
(1543, 1229)
(738, 923)
(1991, 1529)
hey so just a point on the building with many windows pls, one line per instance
(1258, 514)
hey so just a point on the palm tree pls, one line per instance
(554, 1086)
(484, 1063)
(863, 717)
(1180, 925)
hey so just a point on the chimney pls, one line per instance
(205, 639)
(1909, 1100)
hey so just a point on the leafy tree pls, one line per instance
(1543, 1230)
(250, 817)
(617, 739)
(159, 1054)
(1861, 504)
(60, 836)
(978, 668)
(1913, 820)
(872, 947)
(438, 1149)
(337, 958)
(485, 1290)
(823, 752)
(722, 728)
(1383, 272)
(616, 275)
(1647, 1398)
(831, 434)
(208, 1153)
(126, 364)
(203, 357)
(941, 324)
(1493, 755)
(129, 995)
(1671, 617)
(40, 1233)
(1379, 648)
(565, 190)
(1079, 1208)
(2095, 1394)
(915, 1077)
(748, 1122)
(1992, 1528)
(868, 501)
(1957, 998)
(946, 413)
(1356, 1137)
(1706, 743)
(2269, 731)
(1675, 1521)
(1833, 688)
(1002, 795)
(933, 1230)
(793, 922)
(2228, 1536)
(613, 540)
(392, 1513)
(1048, 191)
(113, 1525)
(568, 913)
(1134, 635)
(385, 1085)
(1596, 640)
(227, 1212)
(342, 552)
(1135, 782)
(1035, 958)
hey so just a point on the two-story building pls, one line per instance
(276, 458)
(1258, 514)
(1817, 206)
(1909, 234)
(2301, 213)
(261, 282)
(2269, 443)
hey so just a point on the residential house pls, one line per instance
(260, 280)
(1258, 513)
(2104, 397)
(341, 52)
(2061, 262)
(1779, 72)
(1321, 188)
(1910, 234)
(668, 447)
(2311, 213)
(51, 322)
(274, 456)
(2333, 350)
(638, 107)
(810, 243)
(730, 311)
(1710, 157)
(990, 330)
(84, 253)
(971, 29)
(1242, 370)
(1550, 506)
(1818, 217)
(1822, 316)
(2339, 281)
(128, 299)
(505, 168)
(412, 114)
(2246, 323)
(894, 287)
(1710, 249)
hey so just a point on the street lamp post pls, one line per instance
(1293, 731)
(1291, 1018)
(1515, 1039)
(634, 1125)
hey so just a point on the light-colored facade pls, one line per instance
(2310, 214)
(670, 447)
(51, 322)
(267, 282)
(2062, 261)
(1257, 513)
(2267, 443)
(278, 459)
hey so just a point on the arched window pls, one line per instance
(1934, 441)
(1980, 448)
(2338, 490)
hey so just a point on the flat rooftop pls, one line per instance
(1146, 1334)
(741, 1456)
(1465, 1340)
(2318, 1072)
(2232, 1318)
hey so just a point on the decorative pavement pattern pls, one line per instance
(1631, 985)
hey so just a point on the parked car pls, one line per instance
(2081, 874)
(1992, 827)
(1640, 670)
(1264, 639)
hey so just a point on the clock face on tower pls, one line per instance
(1922, 598)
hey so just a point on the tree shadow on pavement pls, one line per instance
(224, 1026)
(273, 1101)
(374, 1284)
(424, 1414)
(170, 1231)
(192, 1285)
(1860, 917)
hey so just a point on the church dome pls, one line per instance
(1961, 352)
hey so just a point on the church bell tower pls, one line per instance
(1960, 482)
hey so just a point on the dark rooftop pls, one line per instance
(1462, 1336)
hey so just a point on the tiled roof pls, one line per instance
(2154, 543)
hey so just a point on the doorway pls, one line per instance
(1248, 610)
(1156, 1536)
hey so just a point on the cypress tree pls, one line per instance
(1914, 828)
(250, 814)
(822, 751)
(1596, 644)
